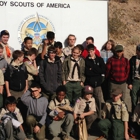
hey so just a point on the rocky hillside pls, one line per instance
(124, 24)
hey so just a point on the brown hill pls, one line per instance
(124, 24)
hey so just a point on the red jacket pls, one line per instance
(85, 53)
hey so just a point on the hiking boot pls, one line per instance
(65, 137)
(101, 137)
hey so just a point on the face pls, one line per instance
(1, 52)
(108, 46)
(116, 97)
(119, 53)
(28, 44)
(4, 39)
(71, 41)
(89, 42)
(58, 51)
(52, 55)
(91, 53)
(32, 57)
(21, 58)
(138, 53)
(60, 96)
(50, 41)
(76, 53)
(87, 96)
(11, 107)
(36, 92)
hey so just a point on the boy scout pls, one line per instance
(1, 87)
(115, 117)
(30, 64)
(85, 107)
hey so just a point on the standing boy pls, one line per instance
(31, 65)
(73, 77)
(16, 76)
(115, 118)
(37, 112)
(117, 70)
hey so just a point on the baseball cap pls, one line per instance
(118, 48)
(116, 91)
(87, 89)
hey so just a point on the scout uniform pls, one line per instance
(30, 69)
(1, 87)
(116, 114)
(8, 126)
(55, 126)
(67, 50)
(82, 105)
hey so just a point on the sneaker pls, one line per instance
(30, 136)
(65, 137)
(101, 137)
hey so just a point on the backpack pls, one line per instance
(2, 132)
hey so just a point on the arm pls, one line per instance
(126, 131)
(64, 71)
(45, 45)
(82, 71)
(127, 68)
(1, 82)
(7, 88)
(108, 68)
(59, 72)
(83, 115)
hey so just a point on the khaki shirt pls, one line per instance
(67, 50)
(31, 69)
(54, 103)
(80, 105)
(8, 59)
(17, 113)
(136, 114)
(1, 78)
(121, 111)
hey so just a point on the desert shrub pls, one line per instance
(135, 40)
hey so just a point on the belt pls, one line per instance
(136, 78)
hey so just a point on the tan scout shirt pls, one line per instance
(8, 59)
(54, 103)
(121, 111)
(80, 105)
(1, 78)
(67, 50)
(31, 69)
(17, 113)
(136, 114)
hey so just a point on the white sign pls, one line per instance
(34, 18)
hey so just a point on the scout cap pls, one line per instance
(88, 89)
(118, 48)
(116, 91)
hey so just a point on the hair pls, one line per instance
(4, 32)
(81, 47)
(76, 48)
(50, 35)
(90, 38)
(58, 45)
(35, 84)
(1, 47)
(90, 47)
(27, 38)
(51, 49)
(72, 36)
(83, 93)
(32, 51)
(10, 100)
(17, 53)
(112, 44)
(137, 47)
(61, 88)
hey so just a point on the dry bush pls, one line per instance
(135, 40)
(121, 1)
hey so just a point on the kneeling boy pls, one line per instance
(37, 112)
(116, 117)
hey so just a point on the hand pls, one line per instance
(130, 87)
(64, 82)
(61, 115)
(126, 136)
(46, 42)
(8, 94)
(82, 84)
(36, 129)
(76, 121)
(82, 116)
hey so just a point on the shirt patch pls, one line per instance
(78, 101)
(30, 62)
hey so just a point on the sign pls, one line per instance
(34, 18)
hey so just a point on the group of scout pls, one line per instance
(59, 86)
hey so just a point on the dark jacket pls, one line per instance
(50, 74)
(94, 69)
(132, 63)
(16, 76)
